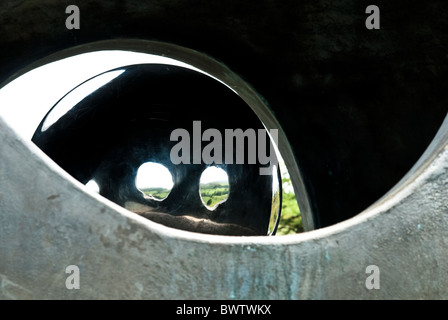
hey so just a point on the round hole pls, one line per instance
(214, 187)
(106, 69)
(154, 180)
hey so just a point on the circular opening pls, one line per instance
(214, 187)
(154, 180)
(46, 83)
(102, 59)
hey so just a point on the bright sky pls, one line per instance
(214, 174)
(153, 175)
(156, 175)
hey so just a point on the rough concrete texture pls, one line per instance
(49, 222)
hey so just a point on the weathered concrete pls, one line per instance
(48, 222)
(365, 104)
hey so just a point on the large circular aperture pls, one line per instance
(108, 126)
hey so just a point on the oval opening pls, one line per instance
(214, 187)
(53, 69)
(154, 180)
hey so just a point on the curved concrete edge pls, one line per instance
(48, 222)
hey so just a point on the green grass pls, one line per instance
(291, 220)
(214, 192)
(158, 193)
(211, 193)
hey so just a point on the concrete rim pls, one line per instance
(437, 151)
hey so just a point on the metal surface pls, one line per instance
(130, 120)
